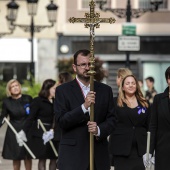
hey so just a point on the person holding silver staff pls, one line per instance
(160, 127)
(17, 107)
(41, 119)
(72, 102)
(128, 140)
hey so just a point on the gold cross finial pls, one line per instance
(92, 20)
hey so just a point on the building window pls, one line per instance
(146, 4)
(85, 4)
(18, 71)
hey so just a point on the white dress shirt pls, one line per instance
(85, 90)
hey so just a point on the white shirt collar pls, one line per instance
(81, 84)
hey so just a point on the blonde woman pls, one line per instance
(128, 141)
(121, 73)
(16, 106)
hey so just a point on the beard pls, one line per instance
(85, 77)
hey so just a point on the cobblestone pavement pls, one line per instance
(7, 164)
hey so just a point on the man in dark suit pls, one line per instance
(160, 127)
(72, 103)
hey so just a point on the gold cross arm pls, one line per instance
(95, 20)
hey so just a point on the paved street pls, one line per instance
(7, 164)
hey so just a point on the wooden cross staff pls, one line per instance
(92, 20)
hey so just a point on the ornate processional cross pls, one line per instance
(92, 20)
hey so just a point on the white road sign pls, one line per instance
(128, 43)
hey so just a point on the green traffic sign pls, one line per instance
(129, 30)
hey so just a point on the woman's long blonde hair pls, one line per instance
(8, 86)
(122, 98)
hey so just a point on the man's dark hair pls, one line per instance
(83, 52)
(151, 79)
(167, 73)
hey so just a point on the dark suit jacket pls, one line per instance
(160, 130)
(130, 126)
(74, 144)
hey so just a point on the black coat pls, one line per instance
(40, 108)
(18, 111)
(130, 125)
(74, 144)
(160, 130)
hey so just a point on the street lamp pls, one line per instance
(129, 13)
(32, 28)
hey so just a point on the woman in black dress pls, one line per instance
(128, 141)
(16, 106)
(42, 108)
(121, 73)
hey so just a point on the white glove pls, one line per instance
(47, 136)
(153, 160)
(21, 138)
(147, 162)
(108, 138)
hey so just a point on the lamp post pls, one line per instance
(130, 13)
(32, 28)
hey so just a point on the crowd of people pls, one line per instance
(56, 124)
